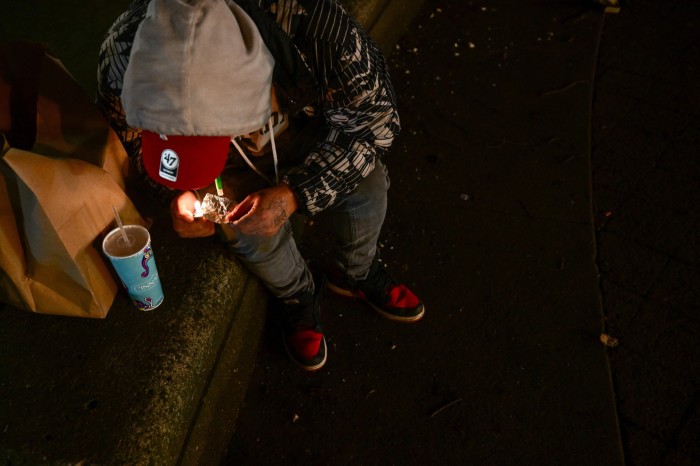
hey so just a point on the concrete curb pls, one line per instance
(132, 388)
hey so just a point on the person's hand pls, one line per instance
(264, 212)
(184, 222)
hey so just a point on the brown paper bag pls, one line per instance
(61, 171)
(53, 262)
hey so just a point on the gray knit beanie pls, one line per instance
(197, 68)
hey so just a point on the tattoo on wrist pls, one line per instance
(277, 205)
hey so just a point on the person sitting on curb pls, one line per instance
(183, 83)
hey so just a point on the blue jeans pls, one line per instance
(356, 218)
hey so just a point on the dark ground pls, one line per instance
(451, 234)
(646, 179)
(490, 221)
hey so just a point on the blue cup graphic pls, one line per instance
(135, 265)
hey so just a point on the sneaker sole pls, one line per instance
(308, 368)
(349, 294)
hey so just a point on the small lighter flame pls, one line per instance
(198, 209)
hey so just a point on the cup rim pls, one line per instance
(116, 231)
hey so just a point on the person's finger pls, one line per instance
(194, 229)
(244, 208)
(182, 207)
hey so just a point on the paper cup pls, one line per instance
(135, 265)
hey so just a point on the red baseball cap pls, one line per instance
(184, 162)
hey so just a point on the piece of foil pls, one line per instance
(214, 208)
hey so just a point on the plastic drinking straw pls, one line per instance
(121, 226)
(219, 186)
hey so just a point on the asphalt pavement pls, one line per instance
(490, 221)
(521, 222)
(646, 179)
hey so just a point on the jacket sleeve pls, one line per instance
(360, 113)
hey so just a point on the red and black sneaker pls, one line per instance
(382, 292)
(303, 337)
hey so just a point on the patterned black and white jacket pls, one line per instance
(323, 60)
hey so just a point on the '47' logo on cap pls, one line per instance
(169, 163)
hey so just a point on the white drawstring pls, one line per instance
(274, 150)
(274, 157)
(250, 164)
